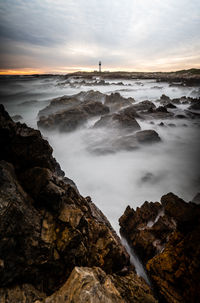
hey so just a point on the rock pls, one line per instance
(93, 285)
(115, 101)
(180, 116)
(17, 118)
(170, 105)
(161, 124)
(69, 102)
(171, 125)
(59, 104)
(123, 120)
(195, 105)
(70, 119)
(160, 112)
(166, 238)
(24, 293)
(144, 105)
(47, 228)
(24, 146)
(147, 136)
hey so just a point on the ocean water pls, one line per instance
(124, 178)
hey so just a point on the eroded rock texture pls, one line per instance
(47, 228)
(166, 237)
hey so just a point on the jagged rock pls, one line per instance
(170, 105)
(144, 105)
(70, 119)
(46, 226)
(24, 293)
(169, 245)
(93, 285)
(17, 118)
(160, 112)
(69, 102)
(124, 120)
(115, 101)
(147, 136)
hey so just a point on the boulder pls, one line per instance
(147, 136)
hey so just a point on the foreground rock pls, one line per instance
(166, 237)
(47, 228)
(93, 285)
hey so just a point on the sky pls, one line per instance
(58, 36)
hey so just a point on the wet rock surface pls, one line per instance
(166, 237)
(47, 229)
(70, 119)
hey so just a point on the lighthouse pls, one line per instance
(99, 66)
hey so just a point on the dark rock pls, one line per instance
(161, 124)
(195, 105)
(147, 136)
(47, 228)
(180, 116)
(170, 105)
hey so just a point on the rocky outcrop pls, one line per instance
(166, 237)
(144, 105)
(93, 285)
(47, 228)
(69, 102)
(123, 120)
(116, 102)
(70, 119)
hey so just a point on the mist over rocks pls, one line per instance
(48, 229)
(166, 237)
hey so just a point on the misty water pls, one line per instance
(123, 178)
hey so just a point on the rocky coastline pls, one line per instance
(58, 246)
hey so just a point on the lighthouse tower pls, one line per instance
(100, 66)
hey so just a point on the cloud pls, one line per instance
(128, 33)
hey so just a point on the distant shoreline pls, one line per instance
(189, 77)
